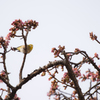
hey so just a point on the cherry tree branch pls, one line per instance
(6, 82)
(24, 58)
(92, 88)
(91, 61)
(41, 69)
(73, 78)
(32, 75)
(62, 82)
(93, 93)
(4, 65)
(1, 98)
(86, 60)
(97, 41)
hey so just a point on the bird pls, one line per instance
(22, 48)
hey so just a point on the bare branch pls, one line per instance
(92, 88)
(97, 41)
(92, 93)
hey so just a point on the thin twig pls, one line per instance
(91, 88)
(92, 93)
(1, 62)
(17, 35)
(97, 41)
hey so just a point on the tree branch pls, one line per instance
(97, 41)
(73, 78)
(24, 58)
(6, 82)
(4, 64)
(91, 88)
(92, 93)
(38, 71)
(91, 61)
(21, 69)
(33, 74)
(86, 56)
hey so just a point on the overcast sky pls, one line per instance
(61, 22)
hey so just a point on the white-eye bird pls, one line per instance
(22, 48)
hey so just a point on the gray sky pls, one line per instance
(61, 22)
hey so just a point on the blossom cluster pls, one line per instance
(20, 25)
(17, 25)
(96, 56)
(57, 52)
(94, 76)
(66, 79)
(30, 24)
(3, 74)
(54, 87)
(4, 42)
(76, 50)
(93, 36)
(76, 72)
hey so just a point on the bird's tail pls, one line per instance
(14, 49)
